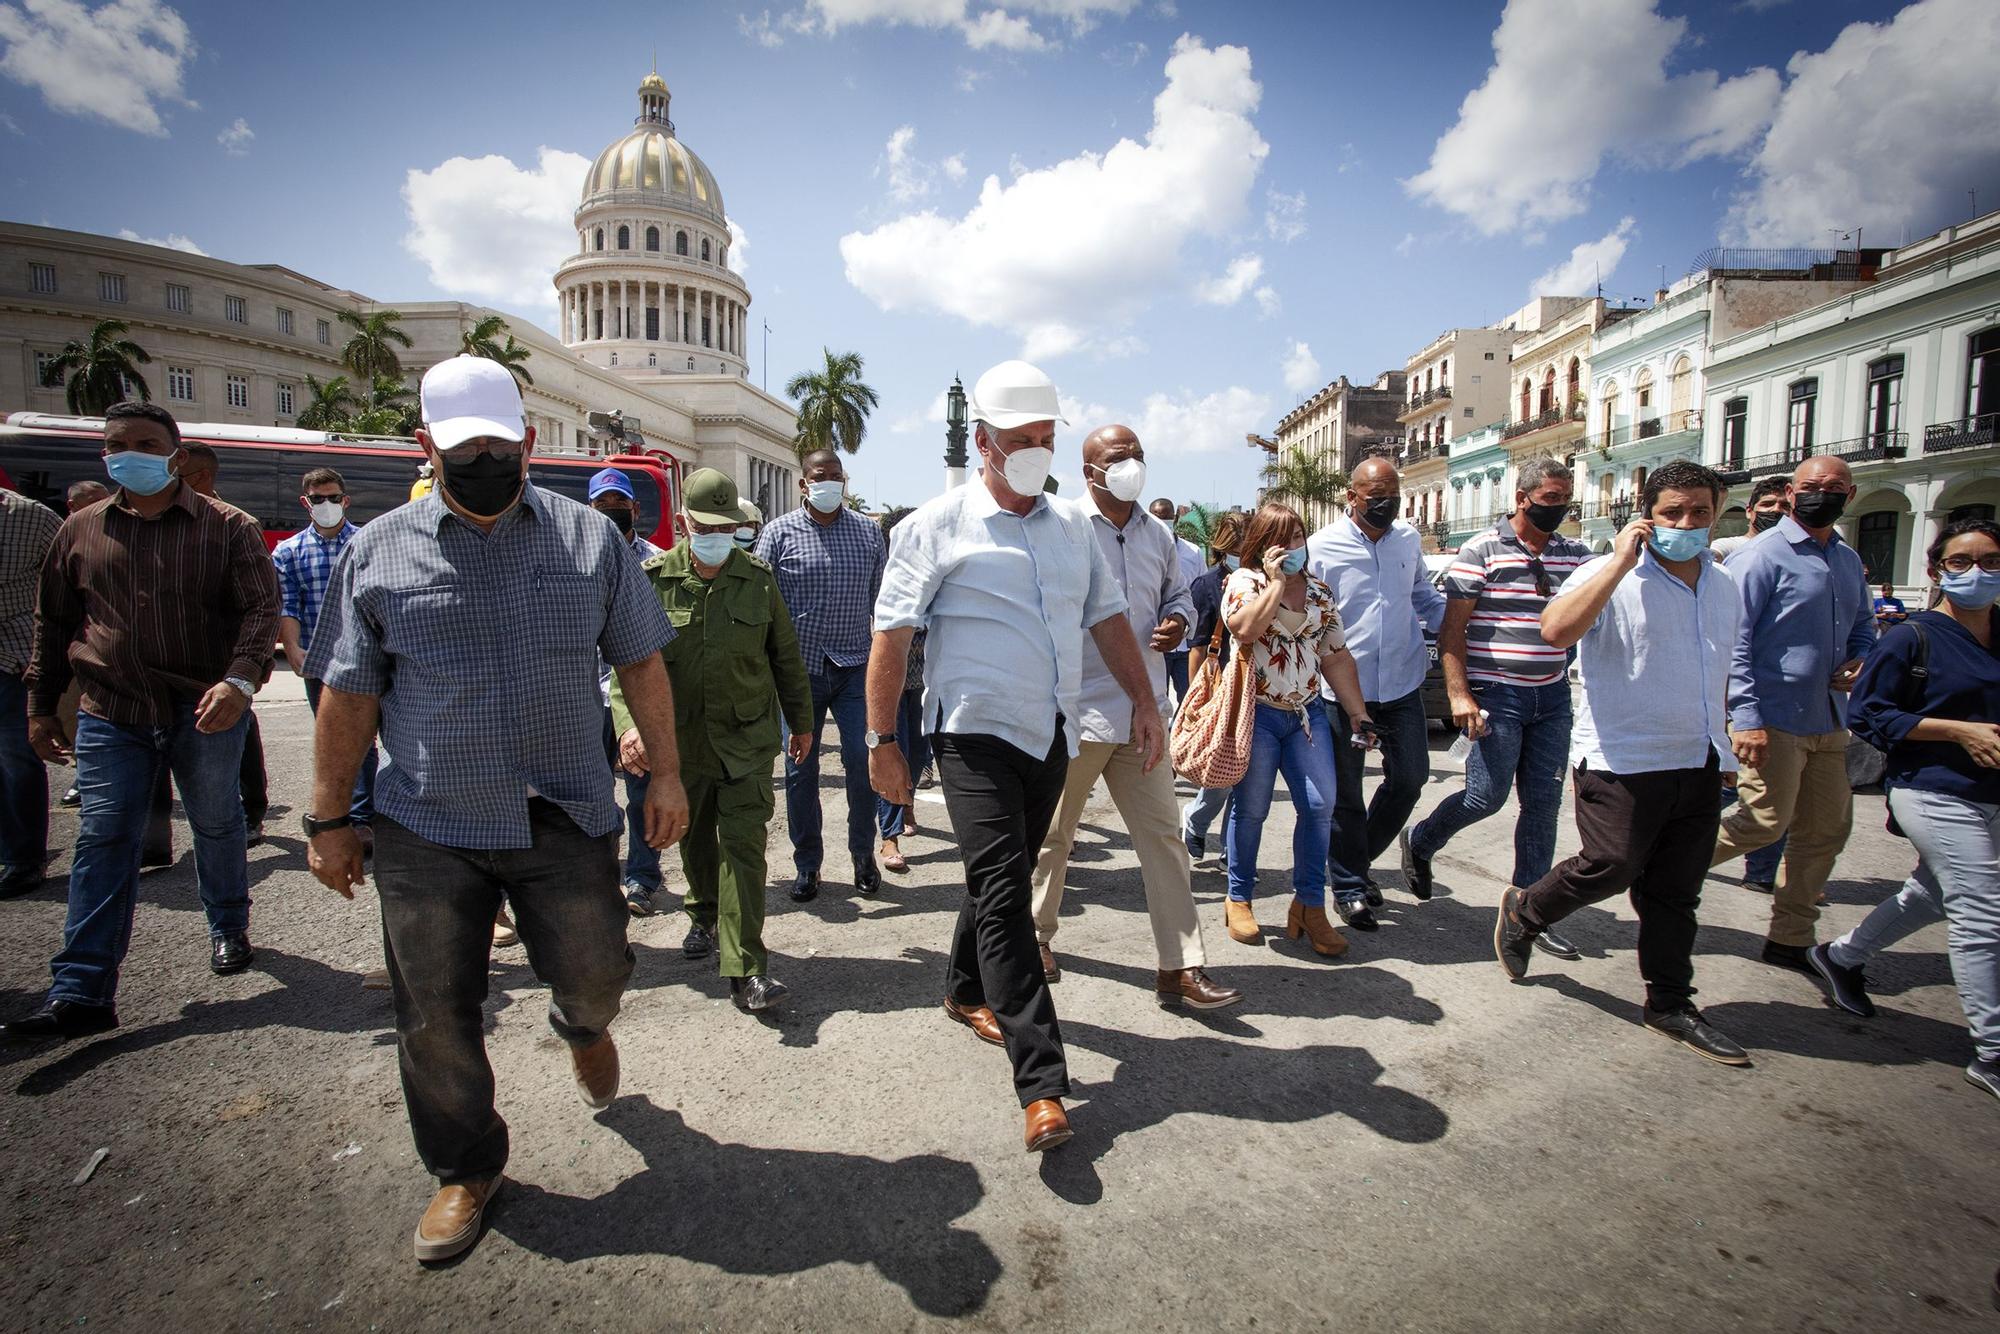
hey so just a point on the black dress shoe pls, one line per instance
(60, 1020)
(757, 994)
(1371, 893)
(1355, 913)
(699, 942)
(1687, 1027)
(806, 888)
(1513, 939)
(1416, 870)
(1788, 956)
(1848, 986)
(72, 798)
(24, 880)
(230, 953)
(868, 880)
(1551, 943)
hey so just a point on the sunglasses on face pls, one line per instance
(314, 500)
(509, 450)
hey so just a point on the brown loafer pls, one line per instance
(596, 1072)
(978, 1018)
(1051, 971)
(1241, 923)
(1048, 1126)
(1194, 988)
(452, 1222)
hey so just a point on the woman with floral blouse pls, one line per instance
(1284, 618)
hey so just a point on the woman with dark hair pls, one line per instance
(1284, 617)
(1225, 541)
(1929, 695)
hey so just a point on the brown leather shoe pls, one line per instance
(596, 1072)
(504, 934)
(1048, 1126)
(1051, 971)
(451, 1224)
(1241, 923)
(978, 1018)
(1312, 923)
(1194, 988)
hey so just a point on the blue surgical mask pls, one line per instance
(826, 497)
(746, 538)
(140, 474)
(711, 549)
(1295, 560)
(1232, 562)
(1679, 543)
(1974, 590)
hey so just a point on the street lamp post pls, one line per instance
(1440, 530)
(1621, 513)
(954, 435)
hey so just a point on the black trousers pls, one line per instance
(1651, 833)
(1001, 801)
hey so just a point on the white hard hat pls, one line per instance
(1014, 394)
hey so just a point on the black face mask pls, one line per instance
(621, 517)
(1547, 518)
(1763, 521)
(485, 486)
(1818, 509)
(1381, 511)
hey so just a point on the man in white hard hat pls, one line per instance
(1006, 584)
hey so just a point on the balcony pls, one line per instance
(1421, 403)
(1965, 433)
(1650, 428)
(1577, 411)
(1862, 449)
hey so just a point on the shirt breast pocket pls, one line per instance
(435, 628)
(567, 618)
(1066, 582)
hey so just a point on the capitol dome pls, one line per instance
(651, 160)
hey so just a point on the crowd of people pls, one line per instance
(488, 664)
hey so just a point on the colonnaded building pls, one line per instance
(653, 323)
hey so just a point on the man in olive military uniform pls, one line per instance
(735, 663)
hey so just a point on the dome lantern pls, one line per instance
(653, 102)
(652, 162)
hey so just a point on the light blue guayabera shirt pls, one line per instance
(1386, 600)
(1655, 668)
(1146, 560)
(1806, 610)
(1007, 599)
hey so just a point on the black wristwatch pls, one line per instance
(877, 739)
(314, 828)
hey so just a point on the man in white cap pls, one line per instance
(1006, 584)
(468, 626)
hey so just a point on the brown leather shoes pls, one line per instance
(1312, 923)
(1051, 971)
(1194, 988)
(978, 1018)
(451, 1224)
(596, 1072)
(1241, 923)
(1048, 1126)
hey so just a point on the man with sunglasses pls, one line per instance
(1509, 689)
(469, 624)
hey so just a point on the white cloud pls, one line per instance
(1572, 83)
(920, 420)
(954, 168)
(739, 248)
(236, 139)
(911, 177)
(760, 29)
(1052, 255)
(1890, 125)
(171, 241)
(1176, 424)
(1284, 215)
(9, 124)
(969, 79)
(1233, 285)
(1588, 264)
(1007, 32)
(1301, 367)
(1407, 244)
(989, 28)
(1268, 303)
(493, 231)
(116, 63)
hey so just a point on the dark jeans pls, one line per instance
(24, 788)
(438, 905)
(116, 766)
(916, 748)
(835, 690)
(1001, 801)
(1651, 833)
(361, 808)
(254, 783)
(1363, 833)
(642, 862)
(1525, 748)
(1177, 676)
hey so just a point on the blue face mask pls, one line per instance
(1679, 543)
(140, 474)
(711, 549)
(1232, 562)
(1974, 590)
(826, 497)
(1295, 560)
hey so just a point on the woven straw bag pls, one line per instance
(1212, 731)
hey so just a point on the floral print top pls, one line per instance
(1286, 662)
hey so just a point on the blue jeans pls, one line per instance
(835, 690)
(361, 809)
(1525, 748)
(1300, 746)
(1177, 677)
(24, 788)
(916, 748)
(1208, 803)
(1363, 832)
(115, 765)
(642, 862)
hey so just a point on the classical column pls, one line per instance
(680, 313)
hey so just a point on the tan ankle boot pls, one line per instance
(1312, 923)
(1241, 923)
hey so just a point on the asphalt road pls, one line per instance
(1401, 1139)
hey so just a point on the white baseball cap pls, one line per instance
(1014, 394)
(465, 397)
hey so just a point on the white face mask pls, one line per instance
(1025, 469)
(1125, 479)
(328, 513)
(826, 497)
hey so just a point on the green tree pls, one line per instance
(1198, 524)
(483, 340)
(1303, 478)
(372, 349)
(834, 404)
(329, 403)
(98, 369)
(389, 410)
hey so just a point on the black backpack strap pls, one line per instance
(1920, 668)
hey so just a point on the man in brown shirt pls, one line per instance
(165, 604)
(26, 530)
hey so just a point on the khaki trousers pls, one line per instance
(1801, 790)
(1152, 818)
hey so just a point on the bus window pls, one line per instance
(375, 483)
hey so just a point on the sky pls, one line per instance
(1191, 215)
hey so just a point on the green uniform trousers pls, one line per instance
(723, 856)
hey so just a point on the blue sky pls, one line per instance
(1191, 214)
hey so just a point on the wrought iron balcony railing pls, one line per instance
(1965, 433)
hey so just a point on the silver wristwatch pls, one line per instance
(249, 690)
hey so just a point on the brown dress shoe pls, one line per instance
(1241, 923)
(1048, 1126)
(1051, 971)
(978, 1018)
(451, 1224)
(1194, 988)
(504, 934)
(596, 1072)
(1312, 923)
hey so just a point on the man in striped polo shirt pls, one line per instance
(1509, 690)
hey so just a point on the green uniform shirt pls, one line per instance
(734, 662)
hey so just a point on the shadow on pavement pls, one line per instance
(822, 986)
(1278, 991)
(746, 1209)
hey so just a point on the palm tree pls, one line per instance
(833, 404)
(372, 350)
(1198, 524)
(328, 404)
(99, 368)
(483, 340)
(1307, 480)
(389, 410)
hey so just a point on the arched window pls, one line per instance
(653, 239)
(704, 248)
(1642, 392)
(722, 255)
(680, 243)
(1573, 382)
(600, 238)
(1527, 394)
(1548, 390)
(1607, 394)
(1680, 391)
(624, 238)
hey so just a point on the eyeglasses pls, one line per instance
(314, 500)
(1542, 584)
(509, 450)
(1989, 564)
